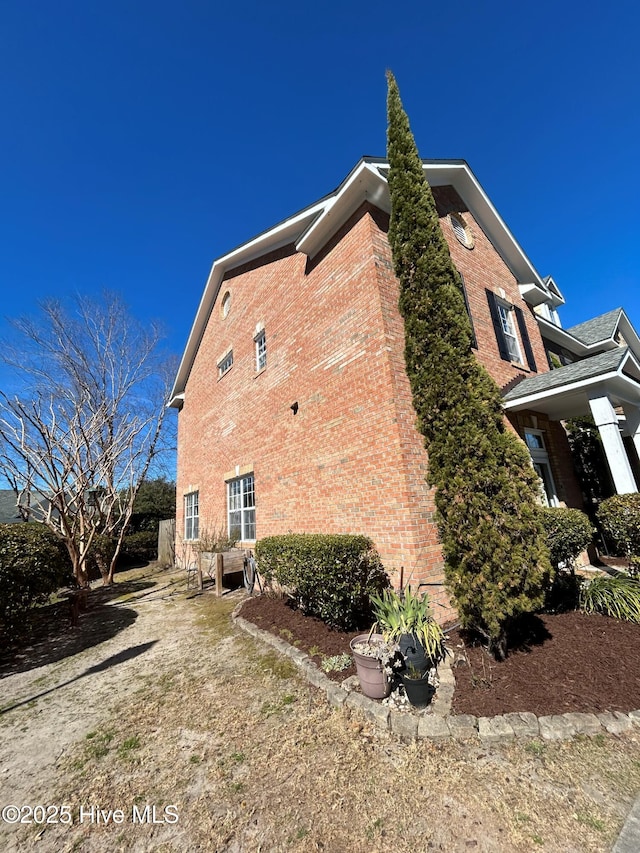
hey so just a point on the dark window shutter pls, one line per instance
(493, 307)
(474, 340)
(526, 342)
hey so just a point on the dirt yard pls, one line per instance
(160, 726)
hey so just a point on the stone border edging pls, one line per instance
(440, 724)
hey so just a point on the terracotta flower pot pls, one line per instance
(374, 681)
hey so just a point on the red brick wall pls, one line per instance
(351, 459)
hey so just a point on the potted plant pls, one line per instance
(406, 618)
(375, 659)
(418, 685)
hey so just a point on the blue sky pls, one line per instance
(141, 139)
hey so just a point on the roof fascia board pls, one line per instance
(561, 336)
(282, 234)
(365, 182)
(629, 333)
(612, 375)
(310, 229)
(538, 396)
(501, 237)
(554, 290)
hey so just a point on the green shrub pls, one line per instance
(568, 533)
(329, 576)
(140, 547)
(33, 565)
(619, 518)
(496, 562)
(617, 596)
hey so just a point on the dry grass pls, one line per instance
(256, 760)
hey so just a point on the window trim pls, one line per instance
(260, 341)
(508, 328)
(192, 516)
(246, 491)
(225, 364)
(540, 457)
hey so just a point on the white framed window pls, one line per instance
(261, 349)
(226, 364)
(241, 503)
(505, 315)
(192, 515)
(540, 461)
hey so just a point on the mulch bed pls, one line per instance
(563, 662)
(276, 615)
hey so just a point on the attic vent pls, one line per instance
(461, 230)
(226, 304)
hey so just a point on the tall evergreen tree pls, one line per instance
(486, 489)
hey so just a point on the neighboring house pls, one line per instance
(295, 407)
(9, 513)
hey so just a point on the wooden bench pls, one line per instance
(219, 565)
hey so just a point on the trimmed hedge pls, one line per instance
(619, 518)
(33, 565)
(568, 533)
(329, 576)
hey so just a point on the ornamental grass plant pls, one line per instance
(617, 596)
(397, 614)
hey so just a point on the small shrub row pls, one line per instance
(33, 565)
(619, 518)
(329, 576)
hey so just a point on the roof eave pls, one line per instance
(625, 388)
(312, 227)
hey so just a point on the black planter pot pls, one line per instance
(418, 690)
(413, 653)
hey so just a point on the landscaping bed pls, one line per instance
(563, 662)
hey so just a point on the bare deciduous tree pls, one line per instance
(84, 422)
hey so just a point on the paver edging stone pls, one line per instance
(443, 726)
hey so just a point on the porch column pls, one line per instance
(633, 425)
(607, 422)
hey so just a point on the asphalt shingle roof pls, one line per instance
(601, 328)
(588, 368)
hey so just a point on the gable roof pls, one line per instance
(601, 328)
(311, 228)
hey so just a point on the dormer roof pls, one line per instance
(599, 329)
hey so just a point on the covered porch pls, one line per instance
(605, 386)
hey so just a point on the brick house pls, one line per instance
(295, 411)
